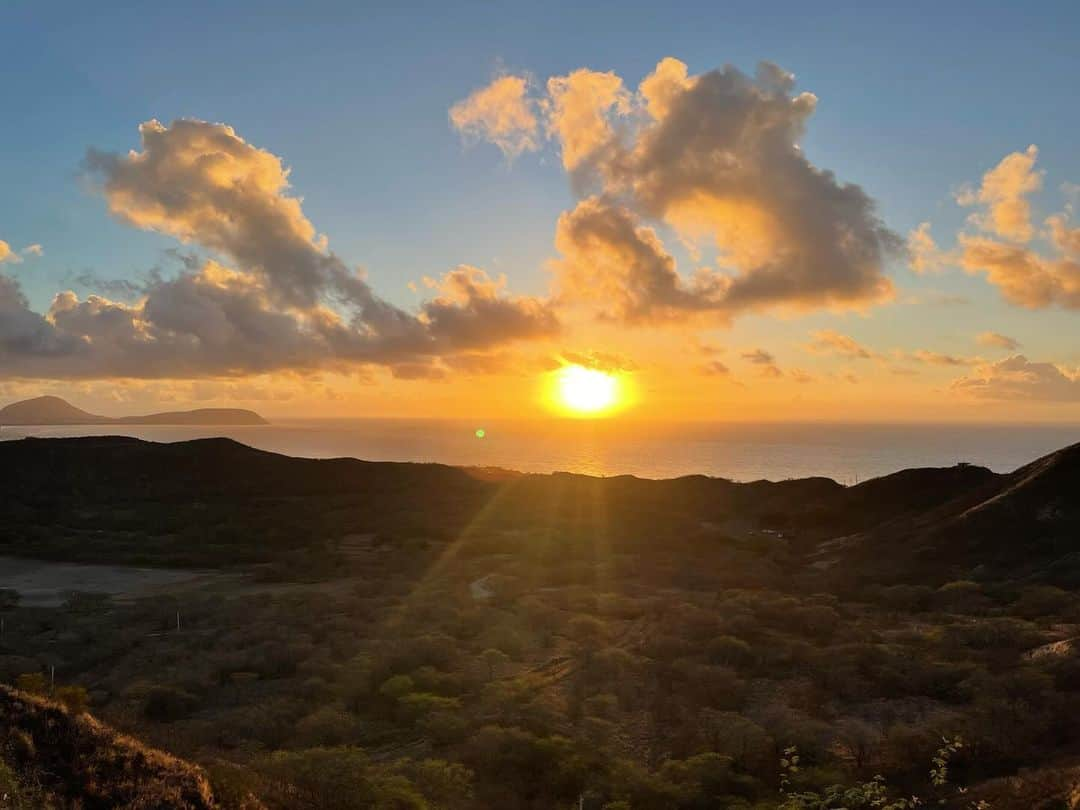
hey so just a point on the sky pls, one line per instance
(792, 211)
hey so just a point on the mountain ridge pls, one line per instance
(960, 516)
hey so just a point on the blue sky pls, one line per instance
(914, 99)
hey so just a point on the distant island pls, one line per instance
(56, 411)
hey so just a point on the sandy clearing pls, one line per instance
(42, 583)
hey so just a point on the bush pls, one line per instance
(396, 687)
(729, 651)
(32, 682)
(167, 704)
(75, 698)
(448, 785)
(336, 779)
(327, 726)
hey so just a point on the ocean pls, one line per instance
(742, 452)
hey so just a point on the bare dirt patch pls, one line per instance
(43, 583)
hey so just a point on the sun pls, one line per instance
(586, 391)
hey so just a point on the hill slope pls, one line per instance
(1023, 524)
(80, 762)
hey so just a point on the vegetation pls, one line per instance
(55, 758)
(580, 661)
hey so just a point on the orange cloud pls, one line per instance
(10, 255)
(714, 368)
(940, 359)
(1026, 275)
(578, 109)
(1066, 239)
(829, 341)
(997, 340)
(602, 361)
(923, 253)
(501, 113)
(623, 269)
(765, 362)
(472, 311)
(1003, 192)
(715, 156)
(1017, 378)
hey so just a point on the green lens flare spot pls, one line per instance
(480, 433)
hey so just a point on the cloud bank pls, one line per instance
(273, 297)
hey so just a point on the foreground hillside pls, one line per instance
(55, 758)
(418, 636)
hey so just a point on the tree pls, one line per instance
(859, 741)
(448, 785)
(587, 631)
(339, 778)
(729, 651)
(327, 725)
(396, 687)
(494, 660)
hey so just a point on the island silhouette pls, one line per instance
(50, 410)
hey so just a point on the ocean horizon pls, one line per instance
(746, 451)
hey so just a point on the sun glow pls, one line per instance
(586, 391)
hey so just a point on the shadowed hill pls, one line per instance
(209, 501)
(215, 501)
(1023, 524)
(49, 410)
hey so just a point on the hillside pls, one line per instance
(1025, 524)
(50, 410)
(72, 760)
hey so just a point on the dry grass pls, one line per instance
(79, 761)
